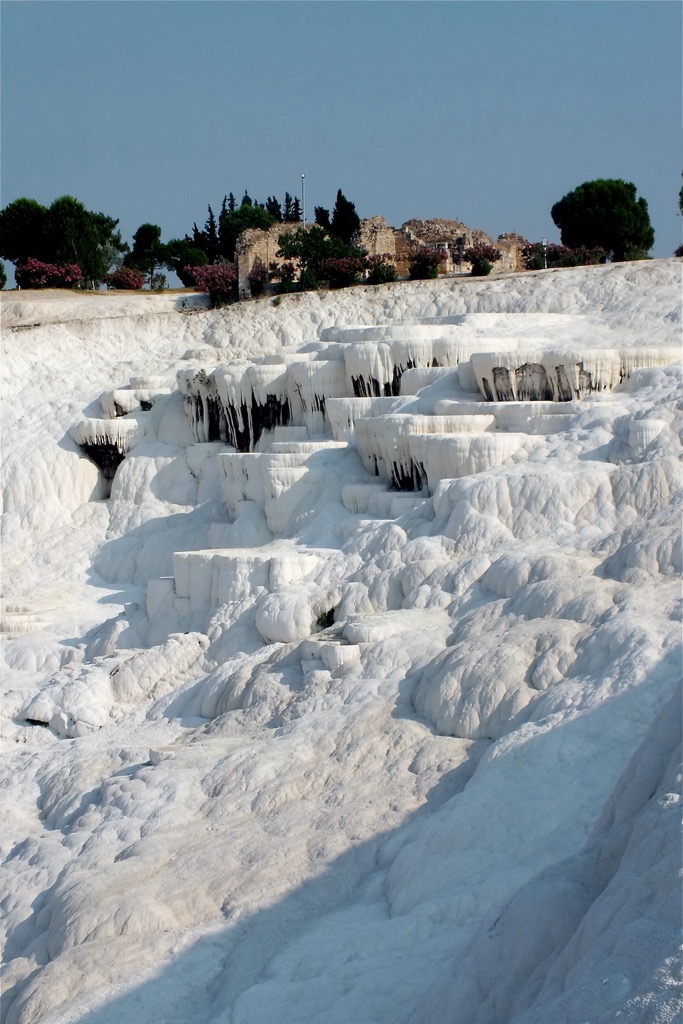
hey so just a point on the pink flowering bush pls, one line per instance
(425, 264)
(342, 271)
(381, 269)
(535, 256)
(218, 279)
(257, 277)
(482, 257)
(37, 274)
(125, 278)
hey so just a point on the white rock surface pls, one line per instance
(284, 744)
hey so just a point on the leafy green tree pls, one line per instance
(64, 234)
(74, 234)
(22, 230)
(211, 245)
(3, 276)
(147, 253)
(182, 257)
(322, 217)
(113, 253)
(296, 210)
(287, 210)
(273, 207)
(313, 250)
(345, 221)
(112, 249)
(231, 226)
(68, 230)
(605, 213)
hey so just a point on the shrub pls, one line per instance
(310, 249)
(126, 279)
(285, 274)
(425, 265)
(588, 257)
(342, 271)
(219, 280)
(36, 274)
(381, 269)
(308, 282)
(535, 257)
(257, 277)
(679, 251)
(482, 257)
(325, 619)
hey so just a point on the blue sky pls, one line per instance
(488, 112)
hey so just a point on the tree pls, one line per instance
(322, 217)
(70, 233)
(76, 234)
(147, 253)
(211, 246)
(3, 276)
(273, 207)
(605, 213)
(296, 210)
(231, 226)
(22, 230)
(345, 221)
(64, 234)
(313, 250)
(181, 256)
(287, 211)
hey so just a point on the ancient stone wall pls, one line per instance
(377, 237)
(258, 244)
(456, 234)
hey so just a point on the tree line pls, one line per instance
(67, 245)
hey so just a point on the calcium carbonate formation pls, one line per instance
(421, 403)
(343, 684)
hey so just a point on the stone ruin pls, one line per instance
(377, 237)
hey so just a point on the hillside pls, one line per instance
(349, 688)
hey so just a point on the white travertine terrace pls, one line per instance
(122, 434)
(539, 374)
(385, 444)
(343, 413)
(286, 743)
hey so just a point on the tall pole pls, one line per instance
(303, 198)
